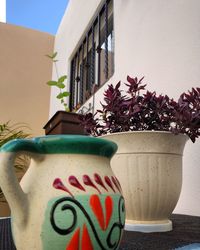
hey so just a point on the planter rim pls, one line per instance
(163, 142)
(145, 131)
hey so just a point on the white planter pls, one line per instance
(149, 167)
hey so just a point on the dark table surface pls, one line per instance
(186, 230)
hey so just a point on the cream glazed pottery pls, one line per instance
(68, 199)
(148, 165)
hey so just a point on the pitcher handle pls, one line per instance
(17, 199)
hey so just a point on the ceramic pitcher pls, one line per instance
(69, 199)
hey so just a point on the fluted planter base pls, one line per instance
(148, 165)
(155, 226)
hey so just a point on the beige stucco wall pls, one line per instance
(156, 39)
(24, 71)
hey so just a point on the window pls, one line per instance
(93, 63)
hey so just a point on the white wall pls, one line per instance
(75, 22)
(3, 11)
(156, 39)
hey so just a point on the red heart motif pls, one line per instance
(96, 206)
(109, 209)
(97, 209)
(74, 242)
(86, 243)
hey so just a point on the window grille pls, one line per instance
(93, 62)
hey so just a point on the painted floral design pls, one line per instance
(102, 215)
(111, 182)
(95, 204)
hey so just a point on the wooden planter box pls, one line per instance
(64, 123)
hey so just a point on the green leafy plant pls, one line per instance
(10, 132)
(60, 83)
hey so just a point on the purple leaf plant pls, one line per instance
(139, 109)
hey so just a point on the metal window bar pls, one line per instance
(92, 59)
(106, 40)
(77, 79)
(82, 76)
(89, 55)
(81, 85)
(99, 50)
(72, 85)
(87, 62)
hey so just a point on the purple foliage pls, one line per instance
(136, 111)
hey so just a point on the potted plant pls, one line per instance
(9, 132)
(63, 121)
(151, 131)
